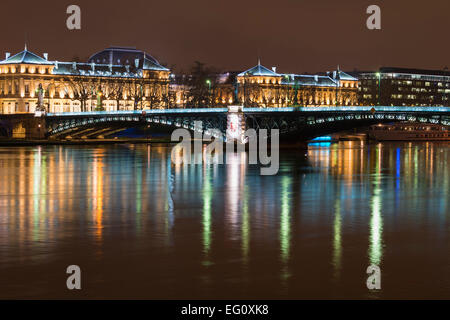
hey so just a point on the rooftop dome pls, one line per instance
(120, 56)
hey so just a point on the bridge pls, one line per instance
(294, 123)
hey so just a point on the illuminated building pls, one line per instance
(262, 87)
(118, 78)
(404, 87)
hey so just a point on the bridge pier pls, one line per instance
(37, 129)
(24, 126)
(235, 124)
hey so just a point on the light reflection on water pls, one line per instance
(142, 227)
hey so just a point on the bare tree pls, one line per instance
(202, 83)
(82, 90)
(116, 90)
(135, 89)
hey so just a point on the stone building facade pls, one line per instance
(262, 87)
(120, 78)
(113, 79)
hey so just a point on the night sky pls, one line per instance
(293, 35)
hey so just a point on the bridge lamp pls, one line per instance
(208, 82)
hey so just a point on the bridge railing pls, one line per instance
(139, 112)
(256, 110)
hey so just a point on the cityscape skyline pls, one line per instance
(225, 158)
(280, 35)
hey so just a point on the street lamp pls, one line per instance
(208, 82)
(378, 74)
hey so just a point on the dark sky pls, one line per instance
(294, 35)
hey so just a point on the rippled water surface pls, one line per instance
(142, 227)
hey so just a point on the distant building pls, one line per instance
(112, 79)
(121, 78)
(260, 86)
(263, 87)
(404, 87)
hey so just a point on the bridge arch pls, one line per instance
(66, 125)
(311, 122)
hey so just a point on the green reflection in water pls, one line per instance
(206, 219)
(376, 223)
(416, 169)
(337, 239)
(138, 174)
(169, 205)
(285, 228)
(36, 191)
(245, 228)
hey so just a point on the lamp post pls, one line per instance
(445, 101)
(338, 84)
(378, 74)
(208, 82)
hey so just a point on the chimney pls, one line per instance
(46, 56)
(7, 55)
(274, 69)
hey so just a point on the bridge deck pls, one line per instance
(254, 110)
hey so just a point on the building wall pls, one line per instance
(400, 89)
(19, 84)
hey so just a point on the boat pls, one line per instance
(405, 131)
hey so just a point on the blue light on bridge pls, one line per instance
(320, 144)
(322, 139)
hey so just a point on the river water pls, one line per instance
(141, 227)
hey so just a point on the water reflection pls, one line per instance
(308, 230)
(337, 240)
(376, 222)
(207, 213)
(285, 225)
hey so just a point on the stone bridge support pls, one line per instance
(23, 126)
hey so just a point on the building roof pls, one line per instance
(126, 56)
(345, 76)
(444, 73)
(259, 70)
(95, 70)
(308, 80)
(151, 65)
(25, 57)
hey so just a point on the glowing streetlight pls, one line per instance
(378, 74)
(208, 82)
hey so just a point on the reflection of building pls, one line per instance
(404, 87)
(120, 78)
